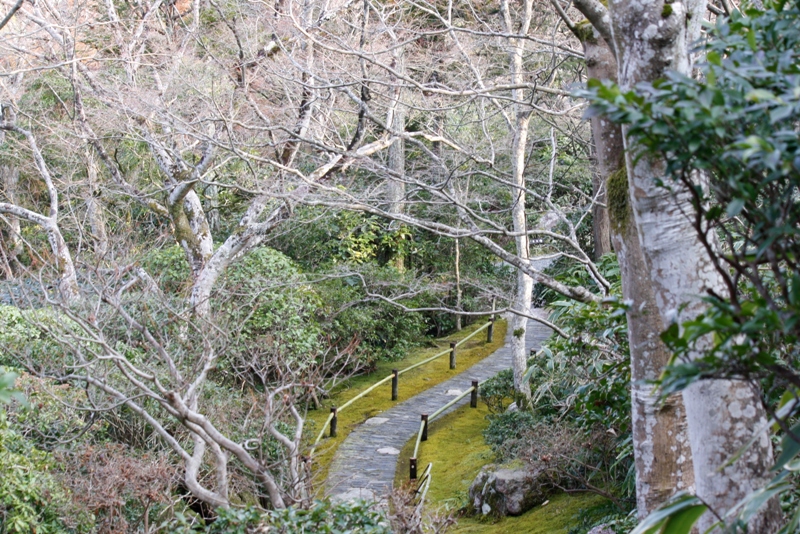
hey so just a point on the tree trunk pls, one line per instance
(94, 209)
(601, 226)
(9, 178)
(600, 64)
(458, 284)
(660, 440)
(395, 185)
(522, 299)
(722, 415)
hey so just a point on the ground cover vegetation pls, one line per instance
(213, 214)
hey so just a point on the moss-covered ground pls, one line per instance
(457, 450)
(410, 384)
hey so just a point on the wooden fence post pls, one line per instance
(395, 376)
(412, 468)
(425, 427)
(490, 330)
(473, 398)
(334, 421)
(452, 355)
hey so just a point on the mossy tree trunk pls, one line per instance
(660, 440)
(649, 38)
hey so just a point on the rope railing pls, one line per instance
(422, 490)
(331, 421)
(425, 419)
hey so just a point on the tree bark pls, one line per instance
(522, 117)
(660, 439)
(601, 65)
(67, 278)
(395, 185)
(651, 37)
(94, 209)
(13, 245)
(458, 283)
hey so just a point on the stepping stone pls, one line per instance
(376, 420)
(453, 392)
(353, 494)
(388, 450)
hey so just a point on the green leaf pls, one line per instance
(759, 95)
(684, 508)
(754, 501)
(682, 521)
(790, 448)
(735, 207)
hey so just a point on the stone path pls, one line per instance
(364, 465)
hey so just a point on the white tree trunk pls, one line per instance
(67, 279)
(662, 453)
(722, 415)
(9, 178)
(522, 299)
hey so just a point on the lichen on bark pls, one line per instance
(617, 198)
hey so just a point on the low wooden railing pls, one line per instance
(425, 419)
(422, 489)
(332, 420)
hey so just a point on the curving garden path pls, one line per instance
(364, 465)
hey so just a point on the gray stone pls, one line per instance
(376, 420)
(388, 450)
(353, 494)
(453, 392)
(501, 491)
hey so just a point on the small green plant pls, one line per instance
(498, 391)
(506, 431)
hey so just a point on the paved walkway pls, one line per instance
(364, 465)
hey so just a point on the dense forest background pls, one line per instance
(215, 213)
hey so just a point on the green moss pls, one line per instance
(557, 516)
(411, 383)
(666, 11)
(617, 195)
(585, 32)
(457, 450)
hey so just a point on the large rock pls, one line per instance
(502, 491)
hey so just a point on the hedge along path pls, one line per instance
(365, 463)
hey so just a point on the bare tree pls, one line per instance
(301, 103)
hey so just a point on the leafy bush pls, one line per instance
(375, 330)
(272, 312)
(7, 392)
(498, 391)
(31, 500)
(506, 431)
(168, 266)
(324, 517)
